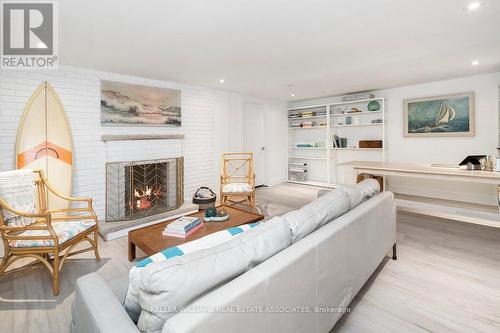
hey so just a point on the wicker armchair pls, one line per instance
(237, 179)
(52, 234)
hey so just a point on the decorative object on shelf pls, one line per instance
(355, 110)
(377, 121)
(44, 142)
(339, 142)
(356, 97)
(474, 162)
(355, 120)
(297, 175)
(125, 104)
(348, 120)
(370, 144)
(449, 115)
(319, 144)
(204, 197)
(340, 109)
(297, 171)
(489, 164)
(343, 142)
(305, 145)
(219, 215)
(373, 106)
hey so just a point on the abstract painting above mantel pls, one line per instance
(125, 104)
(448, 115)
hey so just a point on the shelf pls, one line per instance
(362, 149)
(312, 117)
(309, 107)
(307, 158)
(359, 125)
(304, 128)
(131, 137)
(354, 113)
(359, 101)
(308, 148)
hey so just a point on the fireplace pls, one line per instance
(138, 189)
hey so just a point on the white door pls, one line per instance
(254, 139)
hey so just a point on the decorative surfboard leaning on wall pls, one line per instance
(44, 142)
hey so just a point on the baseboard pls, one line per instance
(277, 181)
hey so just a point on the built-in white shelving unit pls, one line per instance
(312, 140)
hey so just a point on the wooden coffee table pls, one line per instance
(150, 239)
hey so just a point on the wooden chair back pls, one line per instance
(237, 168)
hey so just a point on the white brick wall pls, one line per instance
(79, 91)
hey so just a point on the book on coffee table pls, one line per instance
(183, 227)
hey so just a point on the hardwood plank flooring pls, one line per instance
(446, 279)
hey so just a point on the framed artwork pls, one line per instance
(124, 104)
(449, 115)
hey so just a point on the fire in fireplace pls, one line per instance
(144, 197)
(140, 189)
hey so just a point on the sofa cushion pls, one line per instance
(317, 213)
(132, 304)
(362, 191)
(167, 286)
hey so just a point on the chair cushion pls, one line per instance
(237, 188)
(17, 188)
(65, 231)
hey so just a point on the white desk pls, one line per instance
(459, 212)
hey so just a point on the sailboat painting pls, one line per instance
(450, 115)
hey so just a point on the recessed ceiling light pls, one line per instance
(292, 95)
(475, 63)
(221, 80)
(474, 5)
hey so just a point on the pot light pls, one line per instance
(474, 5)
(292, 95)
(475, 63)
(221, 81)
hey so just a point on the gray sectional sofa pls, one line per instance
(303, 288)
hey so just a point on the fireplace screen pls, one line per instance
(143, 188)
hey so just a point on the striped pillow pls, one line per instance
(196, 245)
(131, 303)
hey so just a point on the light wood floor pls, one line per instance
(446, 279)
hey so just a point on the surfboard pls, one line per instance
(44, 142)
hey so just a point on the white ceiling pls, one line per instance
(260, 46)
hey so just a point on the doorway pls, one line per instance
(254, 139)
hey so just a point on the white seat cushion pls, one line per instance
(237, 188)
(65, 231)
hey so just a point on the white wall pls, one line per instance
(275, 132)
(450, 150)
(207, 122)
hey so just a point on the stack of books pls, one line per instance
(183, 227)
